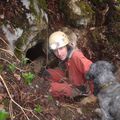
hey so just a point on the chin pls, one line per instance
(62, 58)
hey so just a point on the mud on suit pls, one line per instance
(63, 82)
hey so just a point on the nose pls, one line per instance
(58, 51)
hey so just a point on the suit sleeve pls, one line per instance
(83, 64)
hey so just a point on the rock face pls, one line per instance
(24, 25)
(77, 12)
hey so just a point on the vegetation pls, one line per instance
(28, 77)
(23, 93)
(11, 67)
(3, 115)
(38, 108)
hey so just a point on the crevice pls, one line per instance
(35, 52)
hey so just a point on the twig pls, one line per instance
(7, 50)
(11, 63)
(51, 12)
(4, 41)
(12, 100)
(69, 107)
(35, 115)
(11, 110)
(11, 53)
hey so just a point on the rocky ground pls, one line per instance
(24, 94)
(30, 100)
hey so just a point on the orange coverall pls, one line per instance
(76, 66)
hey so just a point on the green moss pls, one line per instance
(20, 42)
(42, 4)
(27, 32)
(96, 36)
(32, 7)
(85, 7)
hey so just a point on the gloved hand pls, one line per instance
(83, 89)
(79, 91)
(75, 92)
(44, 73)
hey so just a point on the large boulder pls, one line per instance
(78, 13)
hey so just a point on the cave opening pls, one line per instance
(35, 52)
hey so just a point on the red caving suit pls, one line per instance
(76, 66)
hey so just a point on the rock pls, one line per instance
(89, 99)
(78, 13)
(98, 112)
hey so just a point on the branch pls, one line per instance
(10, 52)
(11, 63)
(22, 109)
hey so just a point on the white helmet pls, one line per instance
(58, 39)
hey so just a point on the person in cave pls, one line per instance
(69, 78)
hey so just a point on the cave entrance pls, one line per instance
(35, 52)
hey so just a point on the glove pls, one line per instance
(80, 91)
(83, 89)
(44, 73)
(75, 92)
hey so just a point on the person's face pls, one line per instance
(61, 53)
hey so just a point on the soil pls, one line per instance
(33, 101)
(36, 96)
